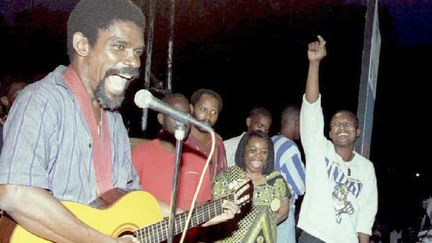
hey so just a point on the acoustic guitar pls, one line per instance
(135, 213)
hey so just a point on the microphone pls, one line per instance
(144, 99)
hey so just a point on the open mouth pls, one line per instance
(256, 163)
(117, 83)
(128, 77)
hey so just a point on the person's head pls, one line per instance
(14, 88)
(259, 119)
(105, 42)
(290, 122)
(344, 128)
(207, 105)
(179, 102)
(255, 153)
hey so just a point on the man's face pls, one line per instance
(13, 92)
(114, 61)
(259, 123)
(343, 129)
(181, 104)
(207, 109)
(294, 126)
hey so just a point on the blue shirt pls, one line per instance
(48, 145)
(288, 162)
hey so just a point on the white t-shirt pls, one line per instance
(231, 148)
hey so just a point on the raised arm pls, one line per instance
(316, 52)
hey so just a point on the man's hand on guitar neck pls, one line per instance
(230, 209)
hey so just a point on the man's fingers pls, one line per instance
(321, 40)
(314, 46)
(231, 207)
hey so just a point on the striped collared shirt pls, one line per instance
(48, 144)
(288, 162)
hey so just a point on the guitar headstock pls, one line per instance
(244, 193)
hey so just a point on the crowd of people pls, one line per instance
(63, 139)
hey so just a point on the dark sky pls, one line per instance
(254, 53)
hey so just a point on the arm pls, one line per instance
(230, 209)
(166, 209)
(39, 212)
(316, 52)
(283, 211)
(368, 204)
(363, 238)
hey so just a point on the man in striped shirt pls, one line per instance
(65, 139)
(288, 161)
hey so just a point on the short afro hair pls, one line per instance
(260, 111)
(170, 96)
(91, 16)
(196, 96)
(240, 152)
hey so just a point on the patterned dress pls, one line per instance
(256, 223)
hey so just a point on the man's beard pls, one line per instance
(103, 99)
(115, 102)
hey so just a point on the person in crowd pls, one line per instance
(259, 118)
(16, 84)
(341, 199)
(65, 140)
(154, 161)
(288, 161)
(270, 203)
(206, 106)
(15, 87)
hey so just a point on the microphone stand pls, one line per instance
(180, 134)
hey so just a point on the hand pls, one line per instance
(128, 239)
(317, 50)
(230, 209)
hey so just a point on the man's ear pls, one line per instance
(248, 121)
(5, 101)
(160, 118)
(80, 44)
(358, 130)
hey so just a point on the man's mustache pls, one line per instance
(131, 72)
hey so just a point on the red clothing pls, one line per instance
(102, 160)
(219, 160)
(155, 166)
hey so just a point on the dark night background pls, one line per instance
(254, 53)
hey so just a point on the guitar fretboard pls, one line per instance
(159, 232)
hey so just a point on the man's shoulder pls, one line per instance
(145, 144)
(233, 140)
(49, 87)
(364, 162)
(280, 137)
(282, 141)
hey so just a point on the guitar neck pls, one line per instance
(159, 232)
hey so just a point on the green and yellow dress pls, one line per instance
(256, 223)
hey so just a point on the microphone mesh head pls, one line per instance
(143, 98)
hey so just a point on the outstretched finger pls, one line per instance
(321, 40)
